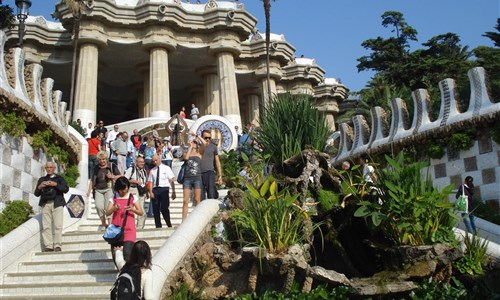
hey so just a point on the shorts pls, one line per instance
(192, 183)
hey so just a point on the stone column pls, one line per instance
(146, 107)
(253, 109)
(159, 89)
(85, 107)
(228, 87)
(265, 91)
(212, 95)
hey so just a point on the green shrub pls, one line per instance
(41, 139)
(271, 219)
(71, 175)
(14, 214)
(412, 211)
(78, 128)
(230, 168)
(460, 141)
(12, 124)
(320, 292)
(474, 257)
(184, 293)
(435, 151)
(432, 290)
(327, 199)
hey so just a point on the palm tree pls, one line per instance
(75, 7)
(267, 13)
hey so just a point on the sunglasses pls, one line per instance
(207, 137)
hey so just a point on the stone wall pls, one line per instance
(32, 98)
(481, 161)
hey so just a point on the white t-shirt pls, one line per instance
(367, 171)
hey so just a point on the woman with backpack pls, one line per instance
(122, 205)
(139, 262)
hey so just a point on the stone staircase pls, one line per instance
(84, 269)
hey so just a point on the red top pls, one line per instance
(117, 219)
(183, 114)
(94, 146)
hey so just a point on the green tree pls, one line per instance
(494, 36)
(7, 17)
(489, 58)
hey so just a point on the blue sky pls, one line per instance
(331, 31)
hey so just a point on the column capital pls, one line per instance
(225, 43)
(206, 70)
(274, 70)
(157, 41)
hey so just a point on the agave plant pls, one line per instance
(288, 124)
(271, 219)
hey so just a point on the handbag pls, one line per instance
(182, 173)
(114, 234)
(462, 204)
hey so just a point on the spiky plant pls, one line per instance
(288, 125)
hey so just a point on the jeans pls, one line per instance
(93, 161)
(469, 222)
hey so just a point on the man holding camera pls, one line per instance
(51, 189)
(137, 177)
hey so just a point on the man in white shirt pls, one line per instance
(112, 134)
(88, 130)
(160, 177)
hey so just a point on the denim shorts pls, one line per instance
(192, 183)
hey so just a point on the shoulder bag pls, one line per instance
(114, 234)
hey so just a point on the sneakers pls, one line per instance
(57, 249)
(49, 250)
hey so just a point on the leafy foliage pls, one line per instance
(288, 124)
(320, 292)
(436, 151)
(460, 141)
(71, 175)
(12, 125)
(432, 290)
(271, 218)
(412, 211)
(327, 199)
(78, 128)
(183, 292)
(41, 139)
(7, 17)
(15, 213)
(230, 168)
(475, 255)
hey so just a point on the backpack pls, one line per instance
(128, 284)
(142, 148)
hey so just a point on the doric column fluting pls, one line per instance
(144, 107)
(253, 109)
(228, 87)
(212, 95)
(85, 107)
(265, 91)
(159, 89)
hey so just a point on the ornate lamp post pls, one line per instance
(23, 10)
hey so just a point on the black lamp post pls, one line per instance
(23, 10)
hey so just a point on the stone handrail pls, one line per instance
(23, 91)
(171, 253)
(384, 134)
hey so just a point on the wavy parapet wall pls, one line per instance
(380, 136)
(23, 91)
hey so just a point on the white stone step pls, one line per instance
(94, 235)
(48, 290)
